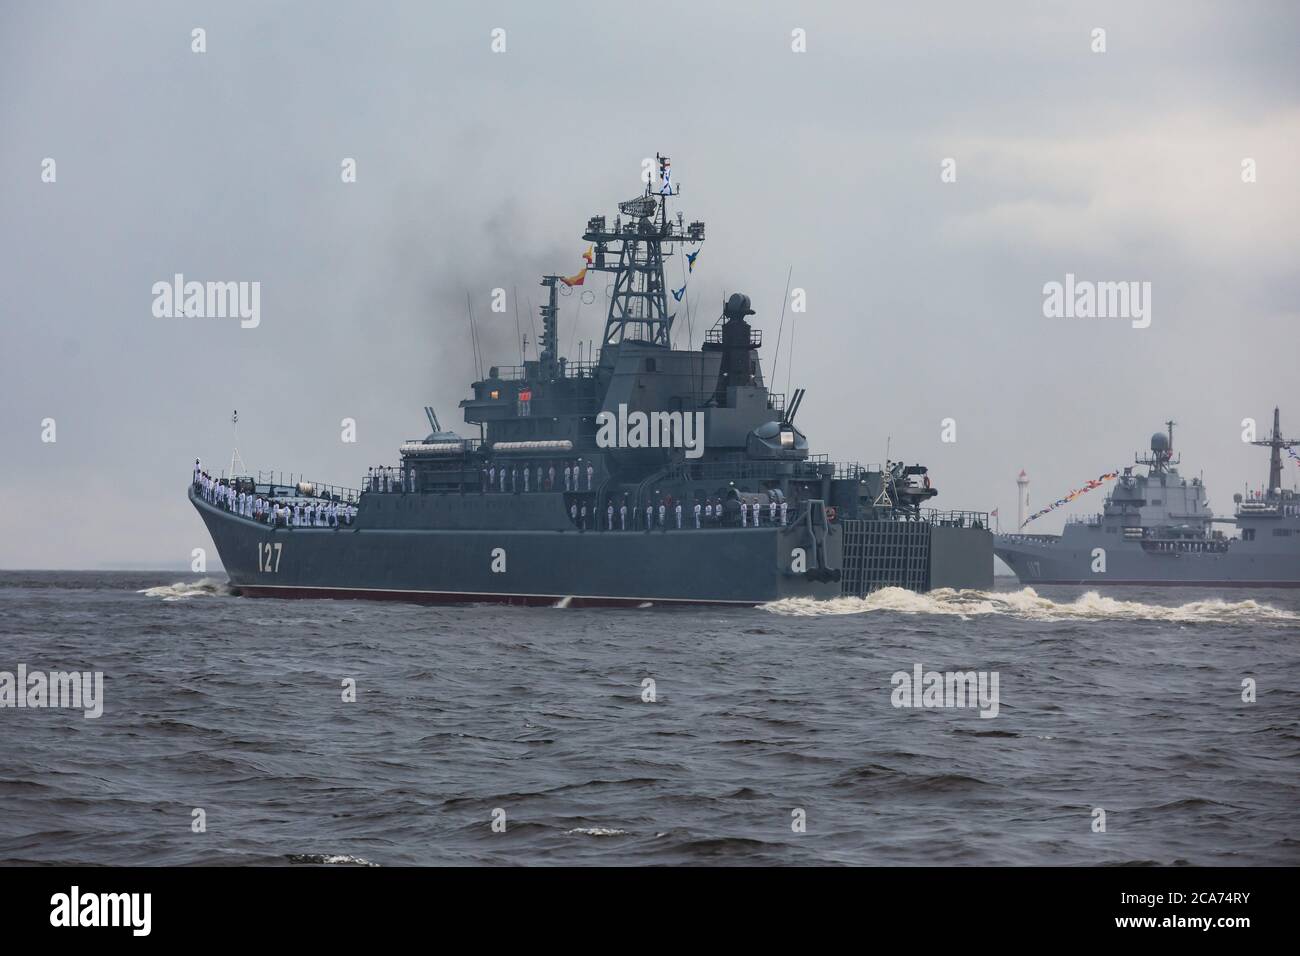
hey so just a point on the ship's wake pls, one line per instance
(1028, 604)
(203, 587)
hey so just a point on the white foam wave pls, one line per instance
(1027, 603)
(203, 587)
(596, 831)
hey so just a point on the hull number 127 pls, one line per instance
(268, 556)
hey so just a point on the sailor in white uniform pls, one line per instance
(609, 517)
(663, 516)
(590, 473)
(697, 516)
(622, 516)
(677, 510)
(649, 517)
(744, 514)
(783, 513)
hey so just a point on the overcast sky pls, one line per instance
(478, 170)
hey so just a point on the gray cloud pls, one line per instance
(479, 171)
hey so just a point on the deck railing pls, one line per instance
(956, 519)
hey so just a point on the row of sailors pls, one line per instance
(385, 479)
(313, 514)
(710, 513)
(520, 479)
(298, 514)
(317, 514)
(214, 491)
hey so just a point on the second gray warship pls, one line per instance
(1158, 529)
(647, 475)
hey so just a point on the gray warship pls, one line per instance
(648, 474)
(1158, 529)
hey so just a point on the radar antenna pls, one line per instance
(1162, 457)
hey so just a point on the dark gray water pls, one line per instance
(1131, 703)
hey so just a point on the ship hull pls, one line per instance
(1128, 564)
(726, 566)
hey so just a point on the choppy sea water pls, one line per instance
(1129, 702)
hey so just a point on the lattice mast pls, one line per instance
(1276, 443)
(634, 250)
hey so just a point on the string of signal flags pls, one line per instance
(581, 276)
(1074, 493)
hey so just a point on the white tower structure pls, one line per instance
(1022, 499)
